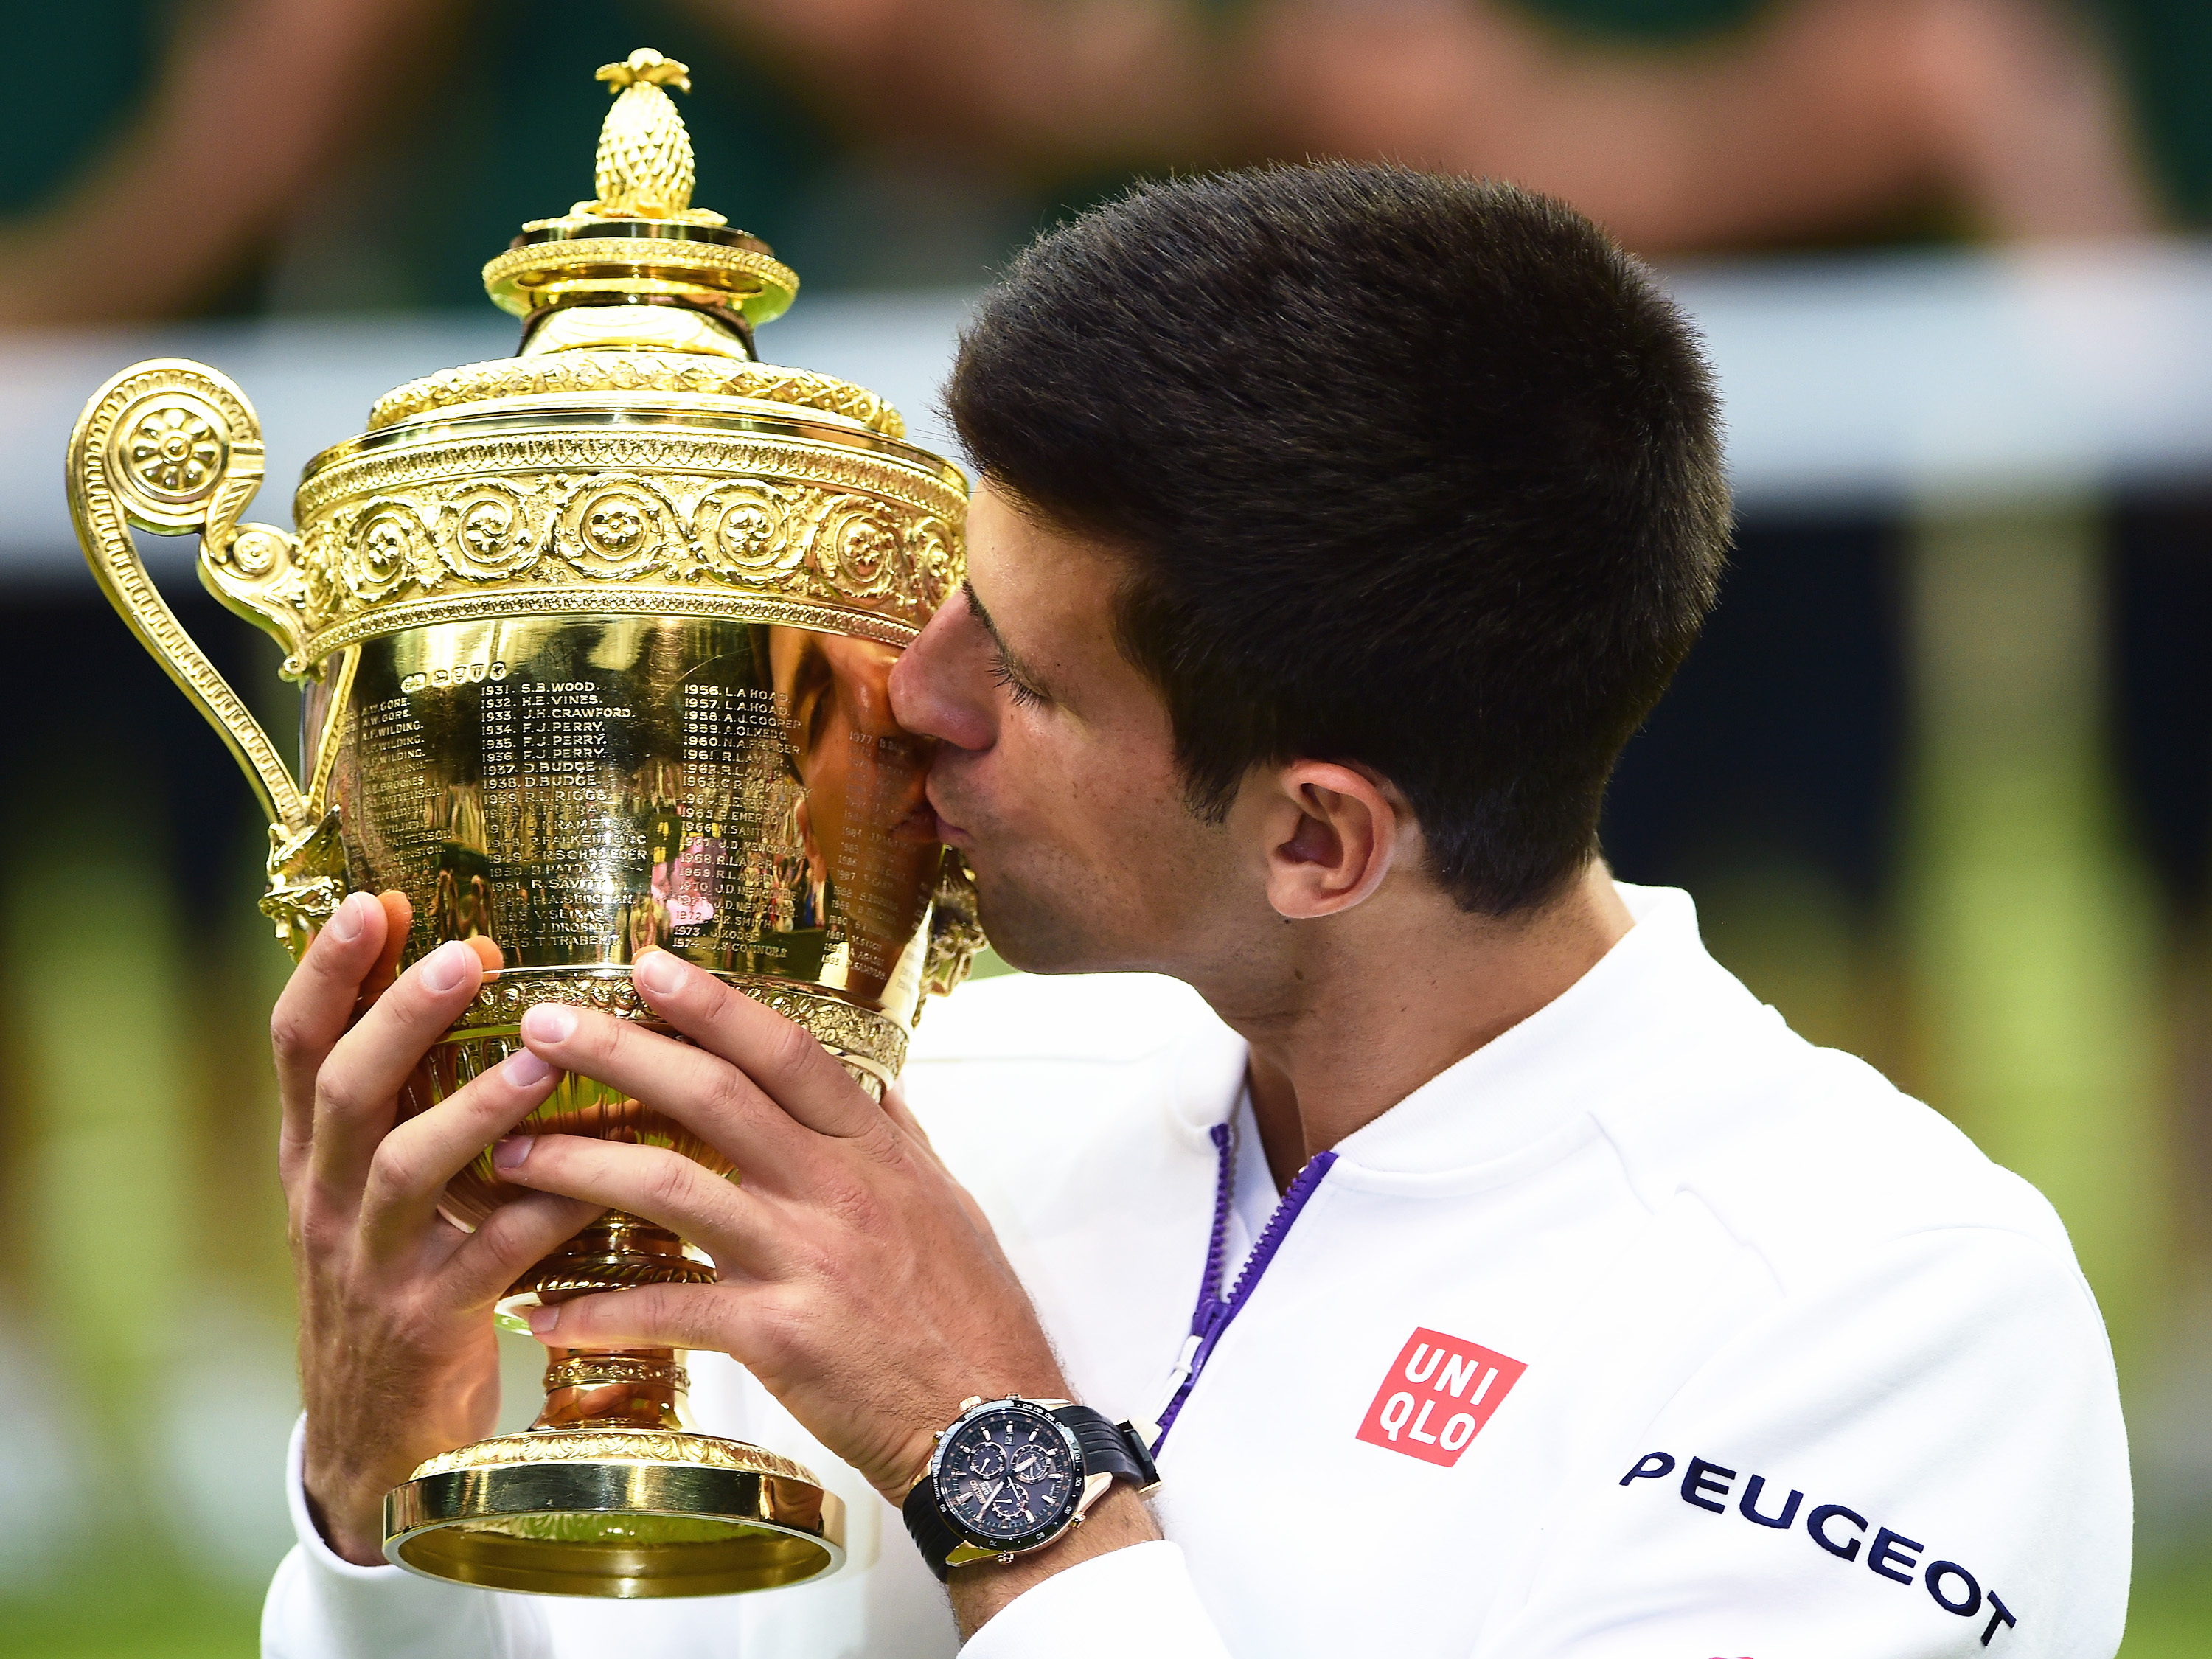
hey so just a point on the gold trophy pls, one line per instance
(595, 642)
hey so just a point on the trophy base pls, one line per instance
(626, 1513)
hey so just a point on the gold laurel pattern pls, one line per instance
(359, 468)
(511, 517)
(505, 995)
(844, 1028)
(632, 372)
(847, 1031)
(616, 1446)
(597, 1369)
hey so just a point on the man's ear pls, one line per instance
(1332, 834)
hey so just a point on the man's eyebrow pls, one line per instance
(975, 604)
(1006, 652)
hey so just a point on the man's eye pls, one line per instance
(1023, 695)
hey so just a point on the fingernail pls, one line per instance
(508, 1154)
(443, 968)
(525, 1070)
(349, 918)
(548, 1022)
(658, 973)
(543, 1320)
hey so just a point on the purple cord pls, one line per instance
(1213, 1314)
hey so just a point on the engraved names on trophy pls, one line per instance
(552, 759)
(395, 791)
(742, 870)
(737, 793)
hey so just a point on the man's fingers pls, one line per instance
(313, 1012)
(781, 1057)
(411, 1166)
(662, 1186)
(357, 1084)
(519, 1233)
(398, 919)
(706, 1095)
(650, 1316)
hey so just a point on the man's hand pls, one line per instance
(860, 1282)
(397, 1359)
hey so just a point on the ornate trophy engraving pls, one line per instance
(594, 642)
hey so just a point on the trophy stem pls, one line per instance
(614, 1389)
(614, 1253)
(611, 1491)
(610, 1388)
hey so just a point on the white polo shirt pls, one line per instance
(1649, 1330)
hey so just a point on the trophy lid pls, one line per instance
(640, 241)
(637, 269)
(633, 456)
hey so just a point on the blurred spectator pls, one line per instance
(330, 153)
(1806, 119)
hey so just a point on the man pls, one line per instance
(1337, 527)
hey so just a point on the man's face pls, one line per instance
(1055, 771)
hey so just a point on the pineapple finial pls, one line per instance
(645, 167)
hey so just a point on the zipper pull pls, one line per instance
(1178, 1374)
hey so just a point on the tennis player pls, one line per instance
(1438, 1253)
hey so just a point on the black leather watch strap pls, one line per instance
(1107, 1447)
(1111, 1448)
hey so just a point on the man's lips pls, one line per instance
(918, 827)
(946, 830)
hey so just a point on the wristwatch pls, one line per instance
(1013, 1475)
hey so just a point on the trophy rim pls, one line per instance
(717, 414)
(632, 372)
(609, 600)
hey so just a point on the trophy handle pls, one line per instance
(173, 446)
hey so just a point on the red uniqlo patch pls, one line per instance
(1438, 1393)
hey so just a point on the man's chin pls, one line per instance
(1030, 927)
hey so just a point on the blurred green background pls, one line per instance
(1941, 777)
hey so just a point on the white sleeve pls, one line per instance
(1137, 1600)
(321, 1606)
(1922, 1456)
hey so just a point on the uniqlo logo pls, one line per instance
(1438, 1393)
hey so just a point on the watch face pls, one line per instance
(1009, 1476)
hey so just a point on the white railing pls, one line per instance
(1889, 382)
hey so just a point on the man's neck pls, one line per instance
(1367, 1014)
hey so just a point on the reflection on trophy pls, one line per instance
(595, 642)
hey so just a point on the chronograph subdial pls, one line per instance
(984, 1460)
(1044, 1476)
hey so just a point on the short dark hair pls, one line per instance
(1417, 472)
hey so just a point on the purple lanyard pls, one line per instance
(1213, 1313)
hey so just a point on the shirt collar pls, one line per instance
(1624, 1022)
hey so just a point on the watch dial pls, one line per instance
(1008, 1476)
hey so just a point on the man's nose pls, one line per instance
(940, 687)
